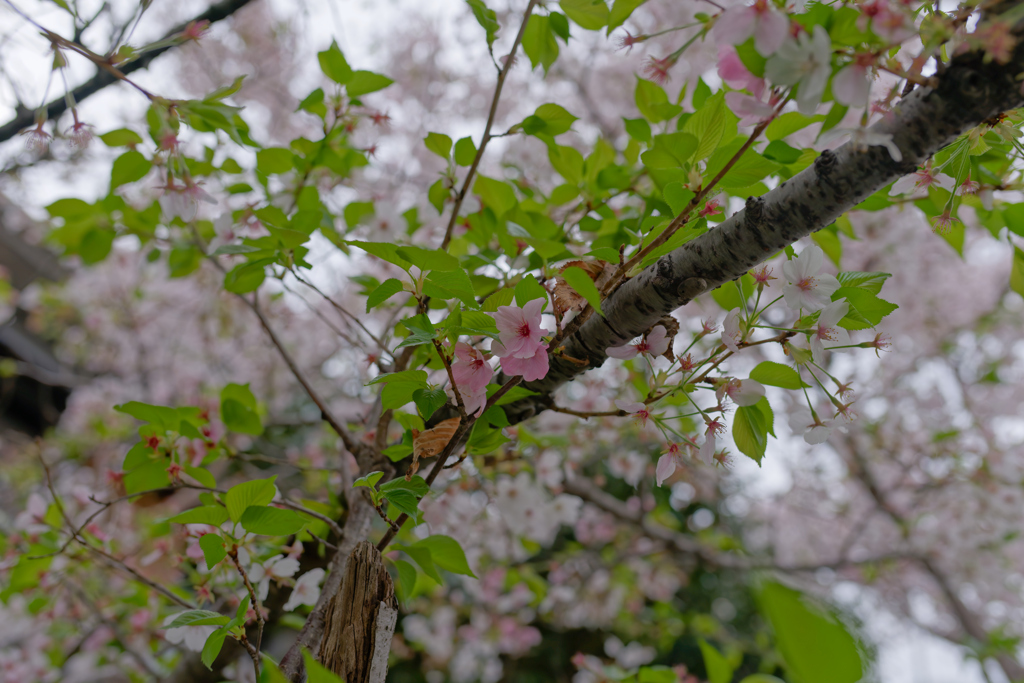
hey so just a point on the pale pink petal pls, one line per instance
(622, 352)
(851, 86)
(735, 25)
(769, 33)
(629, 406)
(750, 109)
(747, 393)
(666, 466)
(657, 340)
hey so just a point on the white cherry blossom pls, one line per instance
(807, 288)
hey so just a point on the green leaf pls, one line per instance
(238, 410)
(446, 554)
(670, 151)
(813, 642)
(128, 168)
(529, 289)
(1017, 271)
(417, 485)
(212, 648)
(454, 284)
(429, 259)
(486, 18)
(247, 277)
(406, 578)
(653, 103)
(429, 400)
(777, 375)
(355, 212)
(316, 672)
(383, 292)
(539, 42)
(198, 617)
(271, 521)
(417, 376)
(397, 394)
(589, 14)
(866, 309)
(870, 282)
(495, 194)
(465, 151)
(707, 125)
(717, 667)
(502, 297)
(366, 82)
(788, 123)
(621, 9)
(213, 549)
(475, 323)
(678, 197)
(203, 476)
(333, 64)
(750, 432)
(638, 129)
(781, 152)
(369, 481)
(424, 559)
(248, 493)
(96, 245)
(549, 119)
(122, 137)
(215, 515)
(438, 194)
(584, 286)
(439, 144)
(567, 161)
(383, 250)
(403, 501)
(274, 160)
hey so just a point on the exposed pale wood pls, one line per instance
(361, 619)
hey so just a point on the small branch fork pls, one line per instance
(455, 442)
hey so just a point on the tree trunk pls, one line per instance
(361, 620)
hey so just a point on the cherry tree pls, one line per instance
(346, 398)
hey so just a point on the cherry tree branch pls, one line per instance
(968, 93)
(24, 118)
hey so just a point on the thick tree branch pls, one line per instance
(26, 117)
(967, 93)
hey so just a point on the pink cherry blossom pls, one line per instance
(851, 85)
(531, 368)
(715, 426)
(668, 462)
(750, 109)
(807, 62)
(519, 329)
(828, 330)
(806, 288)
(923, 178)
(742, 392)
(732, 334)
(470, 369)
(735, 73)
(654, 345)
(476, 400)
(306, 590)
(804, 423)
(768, 26)
(640, 411)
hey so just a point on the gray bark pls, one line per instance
(927, 120)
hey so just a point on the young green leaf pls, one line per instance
(271, 521)
(213, 549)
(214, 515)
(256, 492)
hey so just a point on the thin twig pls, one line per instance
(254, 652)
(509, 62)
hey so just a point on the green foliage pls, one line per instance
(258, 492)
(814, 643)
